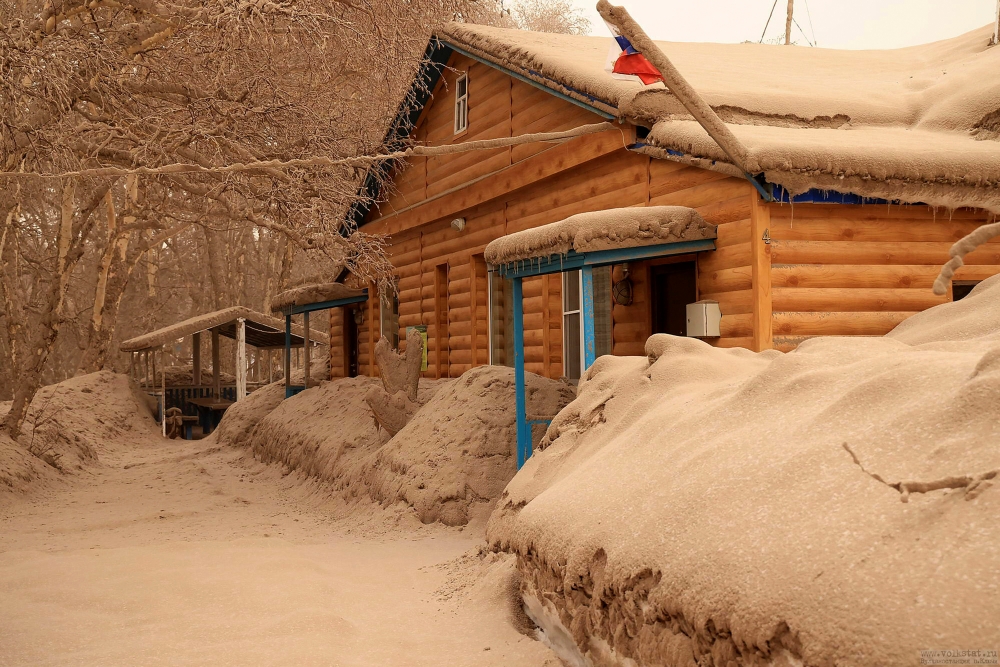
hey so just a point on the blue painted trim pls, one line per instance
(520, 400)
(536, 84)
(324, 305)
(540, 266)
(829, 197)
(291, 390)
(587, 315)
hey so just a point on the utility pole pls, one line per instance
(788, 22)
(996, 26)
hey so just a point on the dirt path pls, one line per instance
(186, 553)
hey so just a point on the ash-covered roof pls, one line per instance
(919, 124)
(602, 230)
(262, 331)
(313, 293)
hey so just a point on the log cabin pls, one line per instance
(864, 167)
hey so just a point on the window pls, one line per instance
(389, 315)
(961, 288)
(501, 317)
(573, 358)
(572, 325)
(461, 103)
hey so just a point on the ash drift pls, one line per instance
(699, 506)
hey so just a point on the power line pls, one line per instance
(768, 21)
(803, 33)
(811, 28)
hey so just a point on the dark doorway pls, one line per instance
(351, 351)
(672, 288)
(961, 288)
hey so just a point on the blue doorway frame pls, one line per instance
(585, 262)
(290, 389)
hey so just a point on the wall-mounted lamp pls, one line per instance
(458, 224)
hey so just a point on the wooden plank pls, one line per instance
(707, 193)
(760, 265)
(839, 227)
(552, 161)
(737, 326)
(727, 210)
(836, 323)
(725, 280)
(729, 257)
(682, 179)
(732, 303)
(733, 233)
(874, 252)
(861, 275)
(820, 299)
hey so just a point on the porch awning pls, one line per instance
(262, 331)
(316, 296)
(602, 237)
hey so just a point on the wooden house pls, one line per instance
(867, 167)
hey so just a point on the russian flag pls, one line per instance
(624, 62)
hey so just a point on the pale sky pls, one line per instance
(841, 24)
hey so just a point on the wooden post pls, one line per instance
(216, 372)
(760, 258)
(270, 365)
(523, 428)
(587, 315)
(196, 358)
(131, 365)
(996, 26)
(305, 350)
(288, 355)
(163, 391)
(788, 22)
(241, 358)
(153, 378)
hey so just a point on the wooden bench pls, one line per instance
(189, 422)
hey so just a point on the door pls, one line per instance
(351, 339)
(672, 288)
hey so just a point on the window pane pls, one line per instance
(571, 291)
(463, 85)
(571, 346)
(602, 310)
(501, 321)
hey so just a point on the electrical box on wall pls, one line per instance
(703, 318)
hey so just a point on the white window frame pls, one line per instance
(462, 103)
(579, 313)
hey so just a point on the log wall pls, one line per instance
(861, 270)
(779, 273)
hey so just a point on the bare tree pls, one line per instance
(559, 16)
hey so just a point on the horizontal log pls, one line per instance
(840, 228)
(732, 303)
(724, 280)
(874, 252)
(788, 343)
(624, 196)
(729, 257)
(731, 233)
(736, 326)
(873, 212)
(822, 299)
(746, 342)
(630, 331)
(681, 179)
(726, 210)
(706, 193)
(836, 323)
(562, 157)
